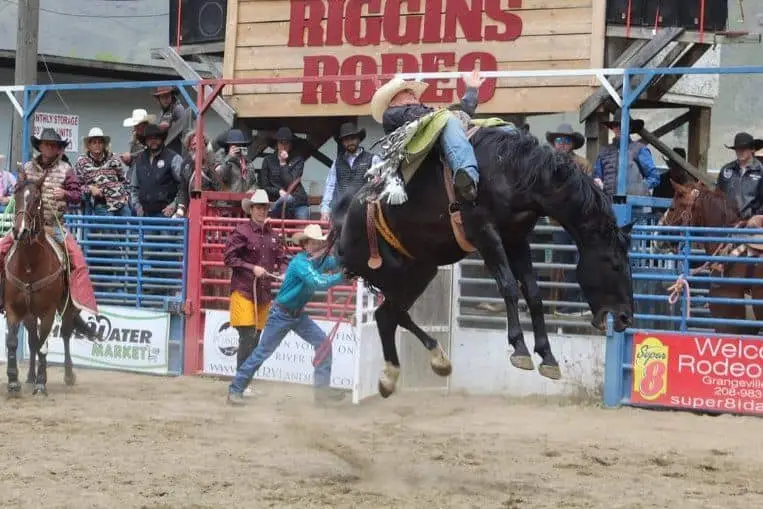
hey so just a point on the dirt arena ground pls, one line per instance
(121, 440)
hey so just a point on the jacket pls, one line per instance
(274, 177)
(303, 278)
(397, 116)
(248, 245)
(60, 176)
(743, 189)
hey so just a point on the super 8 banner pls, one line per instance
(698, 372)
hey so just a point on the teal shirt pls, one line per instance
(304, 277)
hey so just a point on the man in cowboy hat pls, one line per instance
(349, 168)
(236, 171)
(281, 177)
(172, 114)
(642, 174)
(304, 276)
(674, 173)
(137, 123)
(740, 179)
(60, 187)
(100, 172)
(566, 139)
(252, 252)
(157, 176)
(398, 102)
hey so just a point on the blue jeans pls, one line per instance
(101, 210)
(457, 150)
(301, 212)
(278, 325)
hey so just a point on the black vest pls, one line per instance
(348, 176)
(156, 185)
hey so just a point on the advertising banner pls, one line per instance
(133, 340)
(698, 372)
(291, 362)
(67, 126)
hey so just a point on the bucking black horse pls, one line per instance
(520, 181)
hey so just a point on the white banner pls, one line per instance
(291, 362)
(133, 340)
(67, 126)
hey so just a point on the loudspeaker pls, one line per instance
(617, 12)
(201, 21)
(686, 14)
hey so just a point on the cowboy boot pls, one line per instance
(80, 286)
(464, 186)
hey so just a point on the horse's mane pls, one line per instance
(516, 161)
(713, 205)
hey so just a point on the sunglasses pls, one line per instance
(563, 140)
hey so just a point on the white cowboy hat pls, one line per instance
(96, 132)
(311, 232)
(258, 197)
(385, 94)
(138, 116)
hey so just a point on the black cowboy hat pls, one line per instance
(350, 129)
(635, 125)
(745, 140)
(235, 137)
(284, 134)
(154, 131)
(578, 140)
(49, 134)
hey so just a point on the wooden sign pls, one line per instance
(269, 38)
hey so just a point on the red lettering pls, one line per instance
(487, 62)
(430, 62)
(362, 65)
(354, 21)
(432, 21)
(470, 19)
(306, 16)
(393, 63)
(511, 22)
(334, 23)
(324, 65)
(392, 18)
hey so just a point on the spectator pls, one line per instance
(172, 115)
(100, 172)
(350, 167)
(281, 177)
(209, 179)
(7, 182)
(566, 139)
(642, 175)
(740, 179)
(137, 124)
(157, 176)
(236, 172)
(252, 251)
(305, 275)
(674, 173)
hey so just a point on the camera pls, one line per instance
(243, 151)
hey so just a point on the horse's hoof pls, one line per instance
(70, 379)
(388, 380)
(440, 363)
(522, 362)
(40, 389)
(14, 389)
(552, 372)
(384, 390)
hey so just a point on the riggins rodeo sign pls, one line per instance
(131, 339)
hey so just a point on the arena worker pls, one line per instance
(305, 275)
(253, 251)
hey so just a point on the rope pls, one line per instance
(386, 232)
(254, 291)
(675, 292)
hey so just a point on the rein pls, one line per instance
(277, 277)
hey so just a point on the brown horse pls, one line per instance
(697, 205)
(35, 289)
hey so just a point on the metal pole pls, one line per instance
(25, 72)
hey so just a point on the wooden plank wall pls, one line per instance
(556, 34)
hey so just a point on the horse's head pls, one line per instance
(28, 221)
(604, 275)
(681, 211)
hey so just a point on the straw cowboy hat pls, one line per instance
(745, 140)
(635, 125)
(138, 117)
(258, 197)
(578, 140)
(350, 129)
(49, 134)
(96, 132)
(387, 92)
(311, 232)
